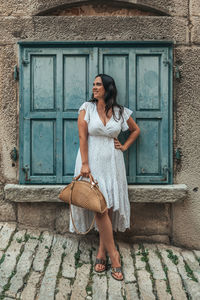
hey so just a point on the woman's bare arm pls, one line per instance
(135, 131)
(83, 139)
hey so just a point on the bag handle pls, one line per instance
(92, 180)
(70, 200)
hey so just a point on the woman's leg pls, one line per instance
(102, 248)
(106, 233)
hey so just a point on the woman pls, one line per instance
(100, 121)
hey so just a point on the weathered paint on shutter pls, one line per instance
(55, 81)
(142, 80)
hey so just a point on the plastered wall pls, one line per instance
(178, 21)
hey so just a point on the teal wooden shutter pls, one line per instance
(55, 81)
(151, 101)
(142, 79)
(54, 84)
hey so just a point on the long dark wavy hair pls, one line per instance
(110, 95)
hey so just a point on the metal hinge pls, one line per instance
(25, 169)
(25, 62)
(166, 62)
(16, 73)
(165, 175)
(177, 71)
(178, 154)
(14, 154)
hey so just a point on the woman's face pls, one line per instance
(98, 88)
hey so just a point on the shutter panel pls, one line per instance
(79, 70)
(142, 80)
(38, 116)
(55, 82)
(116, 62)
(151, 102)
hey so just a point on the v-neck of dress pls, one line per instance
(101, 120)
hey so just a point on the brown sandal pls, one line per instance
(100, 261)
(117, 270)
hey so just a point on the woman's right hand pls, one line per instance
(85, 170)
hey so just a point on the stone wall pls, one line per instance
(178, 21)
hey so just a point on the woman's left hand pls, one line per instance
(118, 145)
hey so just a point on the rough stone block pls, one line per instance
(196, 29)
(171, 7)
(8, 212)
(154, 262)
(186, 215)
(188, 106)
(14, 29)
(38, 215)
(8, 110)
(5, 234)
(176, 286)
(23, 265)
(194, 8)
(131, 291)
(99, 287)
(161, 288)
(42, 251)
(128, 266)
(145, 285)
(1, 193)
(85, 248)
(64, 289)
(191, 260)
(47, 290)
(20, 8)
(131, 238)
(80, 283)
(68, 267)
(33, 193)
(157, 193)
(120, 28)
(116, 289)
(30, 289)
(16, 7)
(150, 219)
(193, 288)
(8, 265)
(62, 218)
(94, 28)
(137, 193)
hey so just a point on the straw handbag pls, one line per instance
(86, 195)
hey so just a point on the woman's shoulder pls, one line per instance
(86, 105)
(122, 108)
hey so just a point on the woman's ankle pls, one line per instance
(115, 259)
(101, 253)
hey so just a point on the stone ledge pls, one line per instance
(137, 193)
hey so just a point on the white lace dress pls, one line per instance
(107, 167)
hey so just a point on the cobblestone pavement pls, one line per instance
(36, 265)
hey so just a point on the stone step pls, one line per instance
(137, 193)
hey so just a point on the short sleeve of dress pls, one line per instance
(85, 106)
(126, 114)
